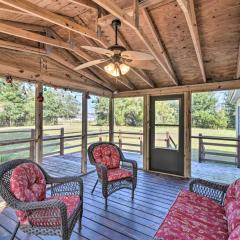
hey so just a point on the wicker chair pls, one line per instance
(51, 210)
(112, 176)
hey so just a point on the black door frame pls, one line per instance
(163, 152)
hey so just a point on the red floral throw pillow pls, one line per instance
(27, 184)
(108, 155)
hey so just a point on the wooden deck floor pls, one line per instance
(124, 220)
(70, 164)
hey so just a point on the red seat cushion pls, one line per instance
(234, 219)
(235, 234)
(27, 184)
(52, 217)
(233, 192)
(108, 155)
(194, 217)
(118, 173)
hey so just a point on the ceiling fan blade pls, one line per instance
(99, 50)
(146, 65)
(135, 55)
(89, 64)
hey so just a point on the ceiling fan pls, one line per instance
(118, 58)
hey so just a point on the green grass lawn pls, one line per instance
(74, 128)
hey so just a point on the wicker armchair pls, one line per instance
(213, 190)
(50, 216)
(113, 170)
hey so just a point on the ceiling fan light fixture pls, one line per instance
(116, 69)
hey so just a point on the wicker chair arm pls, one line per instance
(72, 185)
(65, 179)
(101, 171)
(213, 190)
(130, 162)
(27, 206)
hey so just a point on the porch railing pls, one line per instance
(227, 142)
(57, 142)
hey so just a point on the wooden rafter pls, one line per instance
(238, 63)
(33, 75)
(187, 7)
(112, 8)
(27, 6)
(158, 40)
(21, 47)
(65, 23)
(225, 85)
(99, 79)
(85, 3)
(49, 41)
(25, 26)
(87, 57)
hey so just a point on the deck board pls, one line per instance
(124, 219)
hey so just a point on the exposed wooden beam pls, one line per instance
(155, 34)
(203, 87)
(187, 7)
(82, 54)
(85, 3)
(238, 63)
(26, 73)
(112, 8)
(21, 47)
(32, 9)
(27, 6)
(136, 13)
(107, 19)
(49, 41)
(149, 3)
(9, 9)
(54, 56)
(25, 26)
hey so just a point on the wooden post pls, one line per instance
(120, 139)
(141, 144)
(38, 124)
(62, 141)
(111, 120)
(146, 119)
(167, 139)
(187, 133)
(238, 152)
(31, 149)
(84, 132)
(200, 148)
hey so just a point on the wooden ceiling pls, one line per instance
(192, 41)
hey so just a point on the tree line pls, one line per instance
(17, 105)
(17, 108)
(206, 112)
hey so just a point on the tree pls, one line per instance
(14, 104)
(59, 104)
(127, 111)
(204, 111)
(230, 110)
(17, 104)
